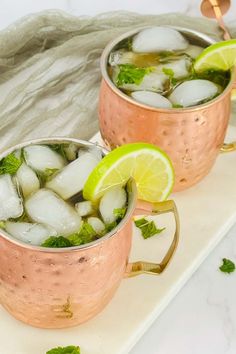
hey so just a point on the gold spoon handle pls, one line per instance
(219, 18)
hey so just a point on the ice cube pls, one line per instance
(115, 198)
(193, 50)
(152, 99)
(10, 202)
(41, 157)
(84, 208)
(27, 180)
(96, 224)
(152, 81)
(48, 208)
(121, 57)
(157, 39)
(35, 234)
(71, 179)
(71, 151)
(180, 68)
(96, 151)
(126, 57)
(193, 92)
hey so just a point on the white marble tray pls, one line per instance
(207, 211)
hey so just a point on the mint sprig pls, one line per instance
(57, 242)
(85, 235)
(148, 228)
(228, 266)
(120, 212)
(10, 164)
(131, 74)
(65, 350)
(169, 72)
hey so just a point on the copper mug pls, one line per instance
(57, 288)
(192, 136)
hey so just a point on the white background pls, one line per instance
(11, 10)
(202, 318)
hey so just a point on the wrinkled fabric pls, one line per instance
(50, 74)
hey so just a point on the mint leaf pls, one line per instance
(2, 225)
(148, 228)
(65, 350)
(131, 74)
(85, 235)
(10, 164)
(110, 226)
(176, 105)
(120, 212)
(228, 266)
(169, 72)
(57, 242)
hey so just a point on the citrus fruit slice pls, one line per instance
(218, 56)
(150, 167)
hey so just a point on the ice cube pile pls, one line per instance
(41, 199)
(155, 67)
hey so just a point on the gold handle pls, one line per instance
(229, 147)
(141, 267)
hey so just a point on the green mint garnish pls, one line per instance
(10, 164)
(177, 105)
(85, 235)
(228, 266)
(2, 224)
(148, 228)
(57, 242)
(131, 74)
(120, 212)
(169, 72)
(65, 350)
(110, 226)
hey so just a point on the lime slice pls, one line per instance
(147, 164)
(218, 56)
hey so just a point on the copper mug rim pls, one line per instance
(110, 46)
(132, 191)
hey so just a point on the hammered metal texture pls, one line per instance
(62, 289)
(191, 137)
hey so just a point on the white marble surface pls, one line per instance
(202, 317)
(11, 10)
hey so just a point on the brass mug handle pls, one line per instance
(228, 147)
(142, 267)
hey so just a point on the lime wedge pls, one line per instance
(218, 56)
(150, 167)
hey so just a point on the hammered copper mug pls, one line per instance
(192, 137)
(57, 288)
